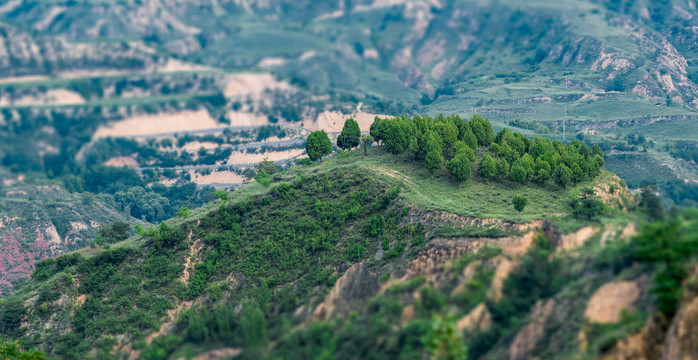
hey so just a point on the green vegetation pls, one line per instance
(587, 206)
(540, 276)
(265, 250)
(452, 141)
(602, 337)
(318, 145)
(350, 136)
(670, 246)
(183, 212)
(520, 202)
(13, 350)
(254, 270)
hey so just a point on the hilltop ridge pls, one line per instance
(266, 269)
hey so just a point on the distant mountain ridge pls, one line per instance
(429, 45)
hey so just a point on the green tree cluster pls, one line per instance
(441, 141)
(543, 160)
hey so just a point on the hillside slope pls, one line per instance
(345, 259)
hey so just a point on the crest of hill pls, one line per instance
(266, 253)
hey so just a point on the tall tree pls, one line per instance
(459, 167)
(449, 135)
(413, 147)
(518, 173)
(394, 137)
(482, 130)
(563, 176)
(434, 160)
(466, 135)
(650, 202)
(542, 170)
(502, 168)
(350, 136)
(577, 173)
(318, 145)
(378, 128)
(478, 131)
(488, 168)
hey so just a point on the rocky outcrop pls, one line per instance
(530, 334)
(356, 284)
(681, 340)
(502, 271)
(479, 319)
(645, 344)
(682, 337)
(576, 239)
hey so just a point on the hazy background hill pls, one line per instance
(87, 83)
(117, 114)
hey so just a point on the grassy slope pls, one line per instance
(350, 189)
(475, 198)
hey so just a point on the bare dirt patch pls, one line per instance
(120, 161)
(250, 158)
(478, 319)
(356, 283)
(171, 321)
(194, 250)
(196, 145)
(243, 118)
(271, 62)
(251, 84)
(609, 301)
(504, 268)
(577, 239)
(216, 177)
(144, 125)
(223, 353)
(173, 65)
(22, 79)
(529, 335)
(49, 97)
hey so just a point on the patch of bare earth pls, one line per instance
(577, 239)
(224, 353)
(194, 251)
(173, 65)
(504, 268)
(250, 158)
(478, 319)
(251, 84)
(49, 97)
(607, 304)
(243, 118)
(151, 125)
(216, 177)
(356, 283)
(196, 145)
(534, 330)
(120, 161)
(23, 79)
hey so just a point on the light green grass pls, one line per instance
(475, 198)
